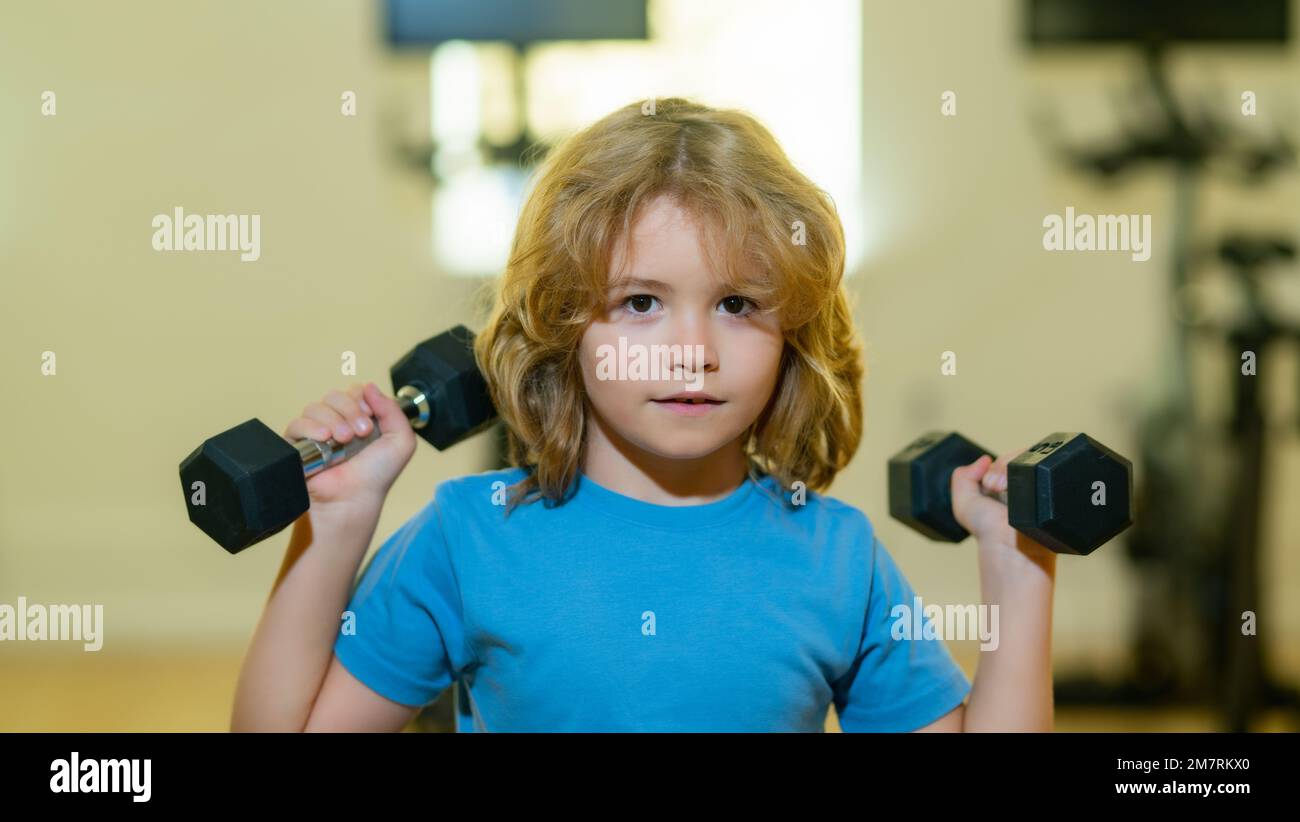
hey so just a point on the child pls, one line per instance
(661, 558)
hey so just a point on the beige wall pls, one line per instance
(233, 107)
(220, 108)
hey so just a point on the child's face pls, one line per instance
(688, 308)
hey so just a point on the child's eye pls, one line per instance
(738, 302)
(638, 302)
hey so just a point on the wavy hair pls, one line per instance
(769, 232)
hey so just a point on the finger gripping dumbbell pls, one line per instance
(1067, 492)
(248, 483)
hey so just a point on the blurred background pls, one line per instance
(387, 146)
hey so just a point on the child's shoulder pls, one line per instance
(484, 484)
(819, 510)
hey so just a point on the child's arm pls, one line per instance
(289, 680)
(1012, 687)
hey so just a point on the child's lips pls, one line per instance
(689, 409)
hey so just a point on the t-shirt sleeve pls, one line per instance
(407, 638)
(895, 684)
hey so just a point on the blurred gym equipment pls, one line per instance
(1196, 542)
(417, 25)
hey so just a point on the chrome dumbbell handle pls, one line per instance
(317, 456)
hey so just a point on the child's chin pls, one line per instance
(681, 446)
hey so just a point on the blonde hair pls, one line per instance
(728, 171)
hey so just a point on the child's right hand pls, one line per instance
(367, 476)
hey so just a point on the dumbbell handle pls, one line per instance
(1000, 496)
(317, 456)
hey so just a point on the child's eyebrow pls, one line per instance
(641, 282)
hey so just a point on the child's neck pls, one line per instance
(628, 470)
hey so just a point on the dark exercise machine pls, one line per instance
(1196, 542)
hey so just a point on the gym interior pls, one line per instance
(1056, 222)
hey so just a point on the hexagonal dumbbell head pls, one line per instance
(244, 485)
(920, 478)
(443, 367)
(1070, 493)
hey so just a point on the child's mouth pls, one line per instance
(688, 407)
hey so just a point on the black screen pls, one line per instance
(1049, 22)
(427, 22)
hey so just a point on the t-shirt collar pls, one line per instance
(595, 496)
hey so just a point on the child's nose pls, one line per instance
(693, 337)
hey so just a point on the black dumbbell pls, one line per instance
(1068, 492)
(249, 483)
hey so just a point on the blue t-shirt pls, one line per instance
(608, 613)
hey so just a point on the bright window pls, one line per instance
(796, 68)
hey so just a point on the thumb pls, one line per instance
(387, 411)
(965, 480)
